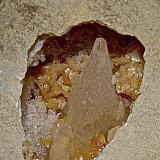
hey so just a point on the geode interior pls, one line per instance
(54, 65)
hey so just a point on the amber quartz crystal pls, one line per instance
(63, 113)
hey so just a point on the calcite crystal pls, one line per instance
(93, 106)
(56, 66)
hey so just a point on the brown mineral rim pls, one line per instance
(56, 64)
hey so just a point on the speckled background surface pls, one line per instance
(21, 22)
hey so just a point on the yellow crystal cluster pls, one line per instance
(56, 80)
(128, 78)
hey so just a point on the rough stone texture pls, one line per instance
(22, 21)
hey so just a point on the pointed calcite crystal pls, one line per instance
(93, 108)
